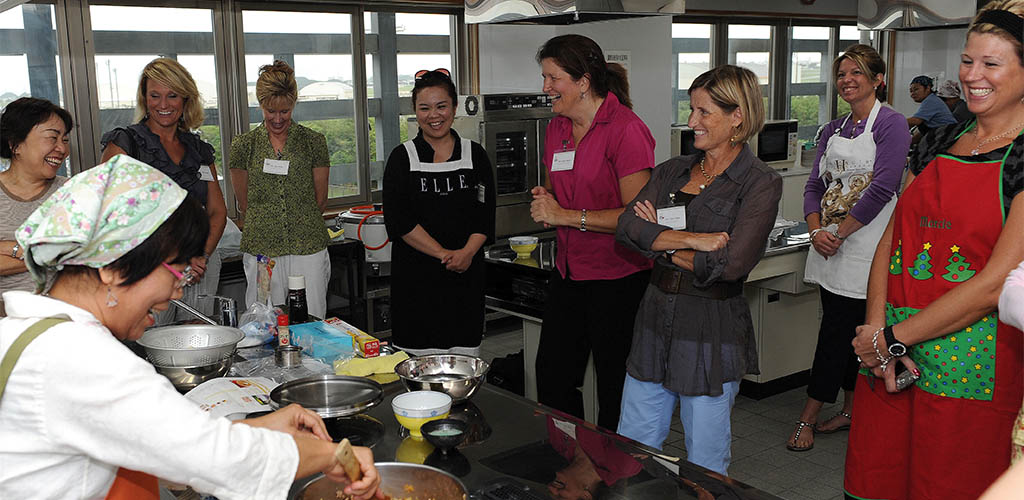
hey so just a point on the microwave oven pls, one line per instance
(776, 144)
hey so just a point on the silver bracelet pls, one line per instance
(14, 251)
(583, 220)
(878, 353)
(816, 231)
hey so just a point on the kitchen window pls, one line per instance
(29, 57)
(691, 54)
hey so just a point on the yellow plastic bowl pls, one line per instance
(413, 409)
(523, 246)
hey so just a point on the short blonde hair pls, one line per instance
(1014, 6)
(276, 81)
(732, 87)
(174, 76)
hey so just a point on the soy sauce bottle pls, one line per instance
(297, 309)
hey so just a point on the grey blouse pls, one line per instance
(689, 344)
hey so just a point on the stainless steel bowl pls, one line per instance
(397, 480)
(190, 345)
(186, 378)
(456, 375)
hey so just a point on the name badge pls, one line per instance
(276, 167)
(205, 174)
(481, 191)
(673, 217)
(562, 161)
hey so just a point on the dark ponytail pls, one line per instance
(881, 93)
(580, 56)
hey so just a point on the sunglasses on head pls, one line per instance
(423, 72)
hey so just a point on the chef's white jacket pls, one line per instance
(79, 404)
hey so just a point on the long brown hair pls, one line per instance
(580, 56)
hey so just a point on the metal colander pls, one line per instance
(190, 345)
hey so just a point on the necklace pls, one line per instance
(703, 172)
(977, 148)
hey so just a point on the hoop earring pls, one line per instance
(111, 298)
(583, 95)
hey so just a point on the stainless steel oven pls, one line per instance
(511, 128)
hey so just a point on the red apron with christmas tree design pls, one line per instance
(949, 435)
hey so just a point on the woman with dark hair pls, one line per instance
(168, 109)
(848, 200)
(933, 294)
(705, 220)
(280, 170)
(78, 403)
(35, 140)
(439, 204)
(598, 155)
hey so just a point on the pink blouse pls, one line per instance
(617, 144)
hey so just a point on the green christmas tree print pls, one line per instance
(919, 270)
(896, 261)
(958, 270)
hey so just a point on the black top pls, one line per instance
(432, 307)
(941, 139)
(142, 144)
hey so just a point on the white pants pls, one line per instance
(315, 267)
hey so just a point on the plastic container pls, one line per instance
(298, 311)
(283, 335)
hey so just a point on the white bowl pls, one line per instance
(522, 240)
(419, 404)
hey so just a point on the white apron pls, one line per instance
(846, 168)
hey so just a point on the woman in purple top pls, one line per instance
(848, 200)
(599, 154)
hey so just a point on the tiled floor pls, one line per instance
(759, 433)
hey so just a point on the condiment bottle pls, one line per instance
(283, 337)
(297, 310)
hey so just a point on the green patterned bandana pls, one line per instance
(97, 216)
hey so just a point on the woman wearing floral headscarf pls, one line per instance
(77, 404)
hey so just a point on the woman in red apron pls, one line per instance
(933, 291)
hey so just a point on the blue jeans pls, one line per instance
(647, 414)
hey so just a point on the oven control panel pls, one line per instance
(501, 102)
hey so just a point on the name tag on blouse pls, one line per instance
(205, 174)
(481, 193)
(562, 161)
(276, 167)
(673, 217)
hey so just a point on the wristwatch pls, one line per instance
(896, 348)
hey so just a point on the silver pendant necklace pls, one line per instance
(977, 148)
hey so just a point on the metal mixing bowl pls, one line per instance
(190, 345)
(457, 375)
(398, 480)
(186, 378)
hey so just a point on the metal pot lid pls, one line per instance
(354, 218)
(329, 395)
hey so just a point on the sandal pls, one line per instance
(800, 426)
(817, 428)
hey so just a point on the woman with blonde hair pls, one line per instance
(168, 108)
(279, 171)
(705, 220)
(933, 294)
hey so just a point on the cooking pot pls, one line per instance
(366, 224)
(397, 480)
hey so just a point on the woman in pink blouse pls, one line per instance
(598, 155)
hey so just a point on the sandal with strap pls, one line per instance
(800, 426)
(818, 429)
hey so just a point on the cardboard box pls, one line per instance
(364, 344)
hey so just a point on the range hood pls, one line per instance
(915, 14)
(565, 11)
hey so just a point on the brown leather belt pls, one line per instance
(671, 280)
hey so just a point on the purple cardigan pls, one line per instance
(892, 141)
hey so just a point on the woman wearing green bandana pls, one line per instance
(76, 404)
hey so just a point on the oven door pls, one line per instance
(513, 150)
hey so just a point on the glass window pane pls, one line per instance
(811, 32)
(849, 33)
(318, 47)
(691, 51)
(807, 68)
(750, 47)
(128, 38)
(31, 66)
(406, 43)
(809, 78)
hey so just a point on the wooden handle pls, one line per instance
(347, 458)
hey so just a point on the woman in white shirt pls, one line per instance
(78, 404)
